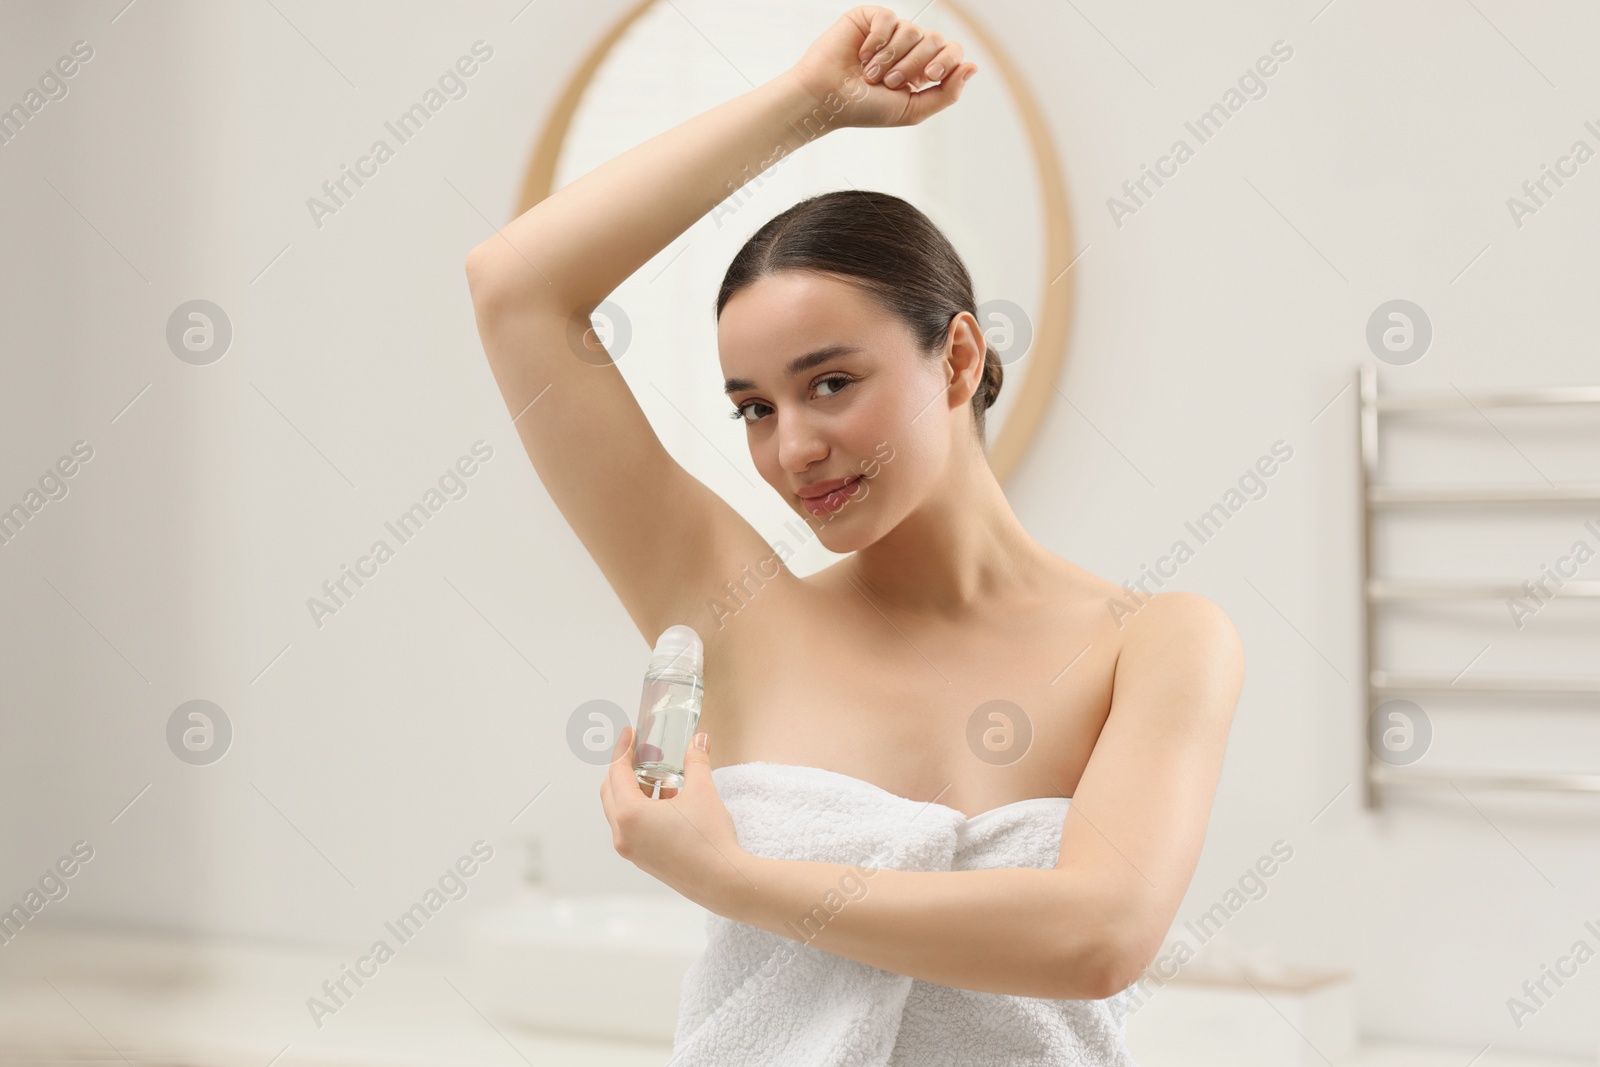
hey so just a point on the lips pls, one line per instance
(822, 489)
(819, 500)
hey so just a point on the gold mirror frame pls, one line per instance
(1042, 363)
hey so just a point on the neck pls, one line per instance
(962, 546)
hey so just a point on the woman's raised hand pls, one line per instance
(884, 66)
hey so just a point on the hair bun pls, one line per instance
(994, 374)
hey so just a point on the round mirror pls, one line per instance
(984, 171)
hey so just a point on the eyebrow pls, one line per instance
(796, 365)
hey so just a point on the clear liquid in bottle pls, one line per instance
(669, 709)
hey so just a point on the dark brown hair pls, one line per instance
(890, 250)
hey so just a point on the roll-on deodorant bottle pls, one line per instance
(669, 710)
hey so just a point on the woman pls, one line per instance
(895, 684)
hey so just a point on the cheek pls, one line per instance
(914, 427)
(890, 413)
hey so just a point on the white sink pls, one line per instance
(605, 965)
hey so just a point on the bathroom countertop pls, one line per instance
(103, 996)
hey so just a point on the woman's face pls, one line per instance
(830, 387)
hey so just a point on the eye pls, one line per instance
(843, 378)
(839, 380)
(738, 412)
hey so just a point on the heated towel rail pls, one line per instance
(1376, 498)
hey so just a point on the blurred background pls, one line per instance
(297, 657)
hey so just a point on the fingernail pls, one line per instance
(936, 70)
(893, 81)
(700, 741)
(872, 72)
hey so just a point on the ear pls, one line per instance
(967, 349)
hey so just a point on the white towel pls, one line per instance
(755, 997)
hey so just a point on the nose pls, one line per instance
(799, 444)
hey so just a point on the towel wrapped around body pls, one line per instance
(755, 997)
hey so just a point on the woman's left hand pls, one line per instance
(685, 839)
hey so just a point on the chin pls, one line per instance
(842, 539)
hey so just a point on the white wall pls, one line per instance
(1226, 314)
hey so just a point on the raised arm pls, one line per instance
(568, 252)
(664, 541)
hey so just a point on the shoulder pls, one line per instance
(1145, 617)
(1182, 640)
(1181, 614)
